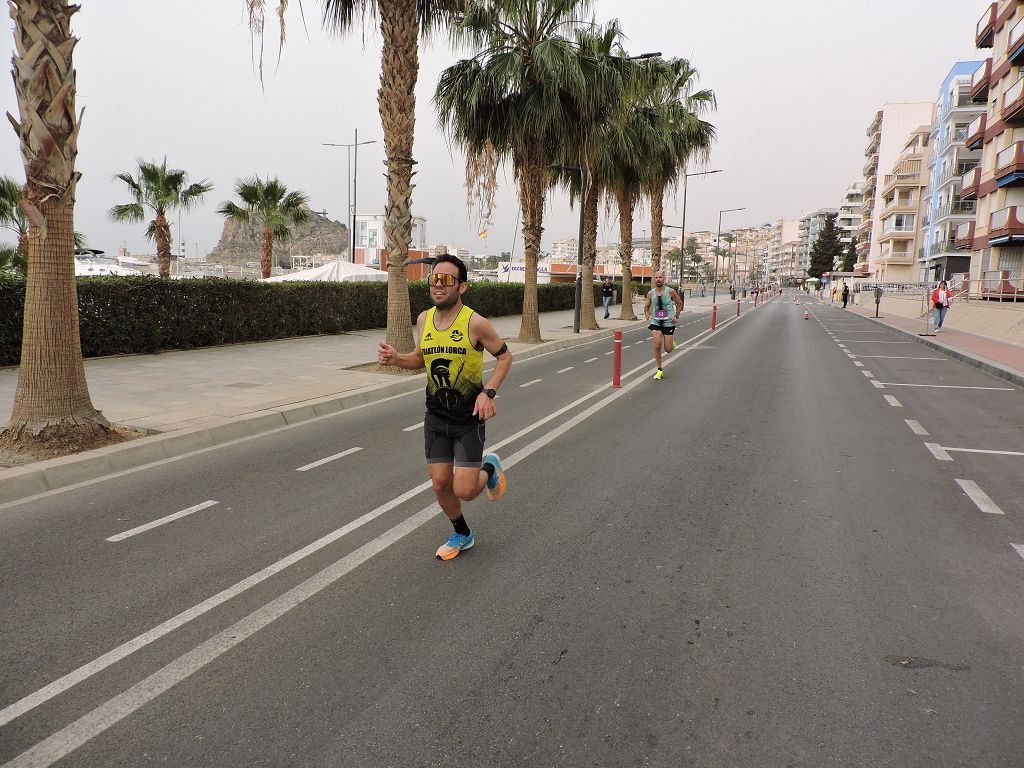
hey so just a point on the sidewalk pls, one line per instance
(193, 399)
(999, 358)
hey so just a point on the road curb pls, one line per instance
(19, 483)
(988, 366)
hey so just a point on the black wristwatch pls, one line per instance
(491, 393)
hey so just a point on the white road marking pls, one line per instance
(842, 346)
(91, 724)
(1019, 548)
(869, 374)
(857, 363)
(610, 353)
(565, 370)
(897, 357)
(893, 401)
(329, 459)
(850, 331)
(161, 521)
(530, 383)
(873, 341)
(916, 427)
(877, 384)
(938, 452)
(979, 497)
(590, 360)
(413, 427)
(850, 356)
(984, 450)
(950, 386)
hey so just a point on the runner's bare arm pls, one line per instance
(678, 301)
(413, 361)
(482, 333)
(647, 307)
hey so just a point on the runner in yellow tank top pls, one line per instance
(451, 338)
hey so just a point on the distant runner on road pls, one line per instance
(662, 310)
(452, 338)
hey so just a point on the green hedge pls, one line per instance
(126, 315)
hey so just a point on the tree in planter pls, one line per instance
(161, 190)
(827, 249)
(673, 257)
(272, 207)
(850, 257)
(53, 411)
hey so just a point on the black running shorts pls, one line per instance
(447, 443)
(668, 330)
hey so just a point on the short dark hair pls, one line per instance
(448, 258)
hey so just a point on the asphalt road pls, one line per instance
(773, 557)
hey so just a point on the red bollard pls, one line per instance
(714, 315)
(737, 307)
(617, 361)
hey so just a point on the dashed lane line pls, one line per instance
(162, 521)
(530, 383)
(949, 386)
(590, 360)
(893, 401)
(869, 374)
(979, 497)
(566, 370)
(413, 427)
(327, 460)
(916, 427)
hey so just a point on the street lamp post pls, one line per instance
(682, 237)
(353, 170)
(718, 247)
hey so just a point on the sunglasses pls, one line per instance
(442, 278)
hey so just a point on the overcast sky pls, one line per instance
(797, 83)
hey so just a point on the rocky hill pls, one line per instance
(241, 243)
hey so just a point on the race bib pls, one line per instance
(661, 314)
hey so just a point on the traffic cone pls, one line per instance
(806, 316)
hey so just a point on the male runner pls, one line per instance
(452, 338)
(662, 310)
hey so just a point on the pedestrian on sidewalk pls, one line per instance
(940, 304)
(846, 295)
(452, 338)
(607, 294)
(658, 309)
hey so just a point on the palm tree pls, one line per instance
(272, 207)
(52, 405)
(401, 24)
(685, 136)
(161, 190)
(514, 100)
(606, 74)
(12, 218)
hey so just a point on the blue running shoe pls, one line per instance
(496, 484)
(458, 542)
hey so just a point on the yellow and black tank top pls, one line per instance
(454, 368)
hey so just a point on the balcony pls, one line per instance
(871, 165)
(958, 208)
(899, 205)
(898, 232)
(980, 79)
(1015, 43)
(892, 255)
(894, 180)
(872, 148)
(1006, 227)
(876, 124)
(985, 31)
(1013, 102)
(952, 138)
(970, 183)
(953, 173)
(1010, 166)
(965, 236)
(976, 132)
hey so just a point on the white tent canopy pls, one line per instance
(335, 272)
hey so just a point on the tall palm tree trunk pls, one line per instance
(588, 320)
(657, 225)
(52, 406)
(266, 252)
(396, 101)
(532, 186)
(162, 235)
(625, 205)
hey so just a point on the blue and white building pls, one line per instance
(950, 160)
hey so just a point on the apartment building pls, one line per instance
(901, 206)
(565, 250)
(850, 218)
(996, 238)
(808, 228)
(887, 139)
(951, 158)
(782, 245)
